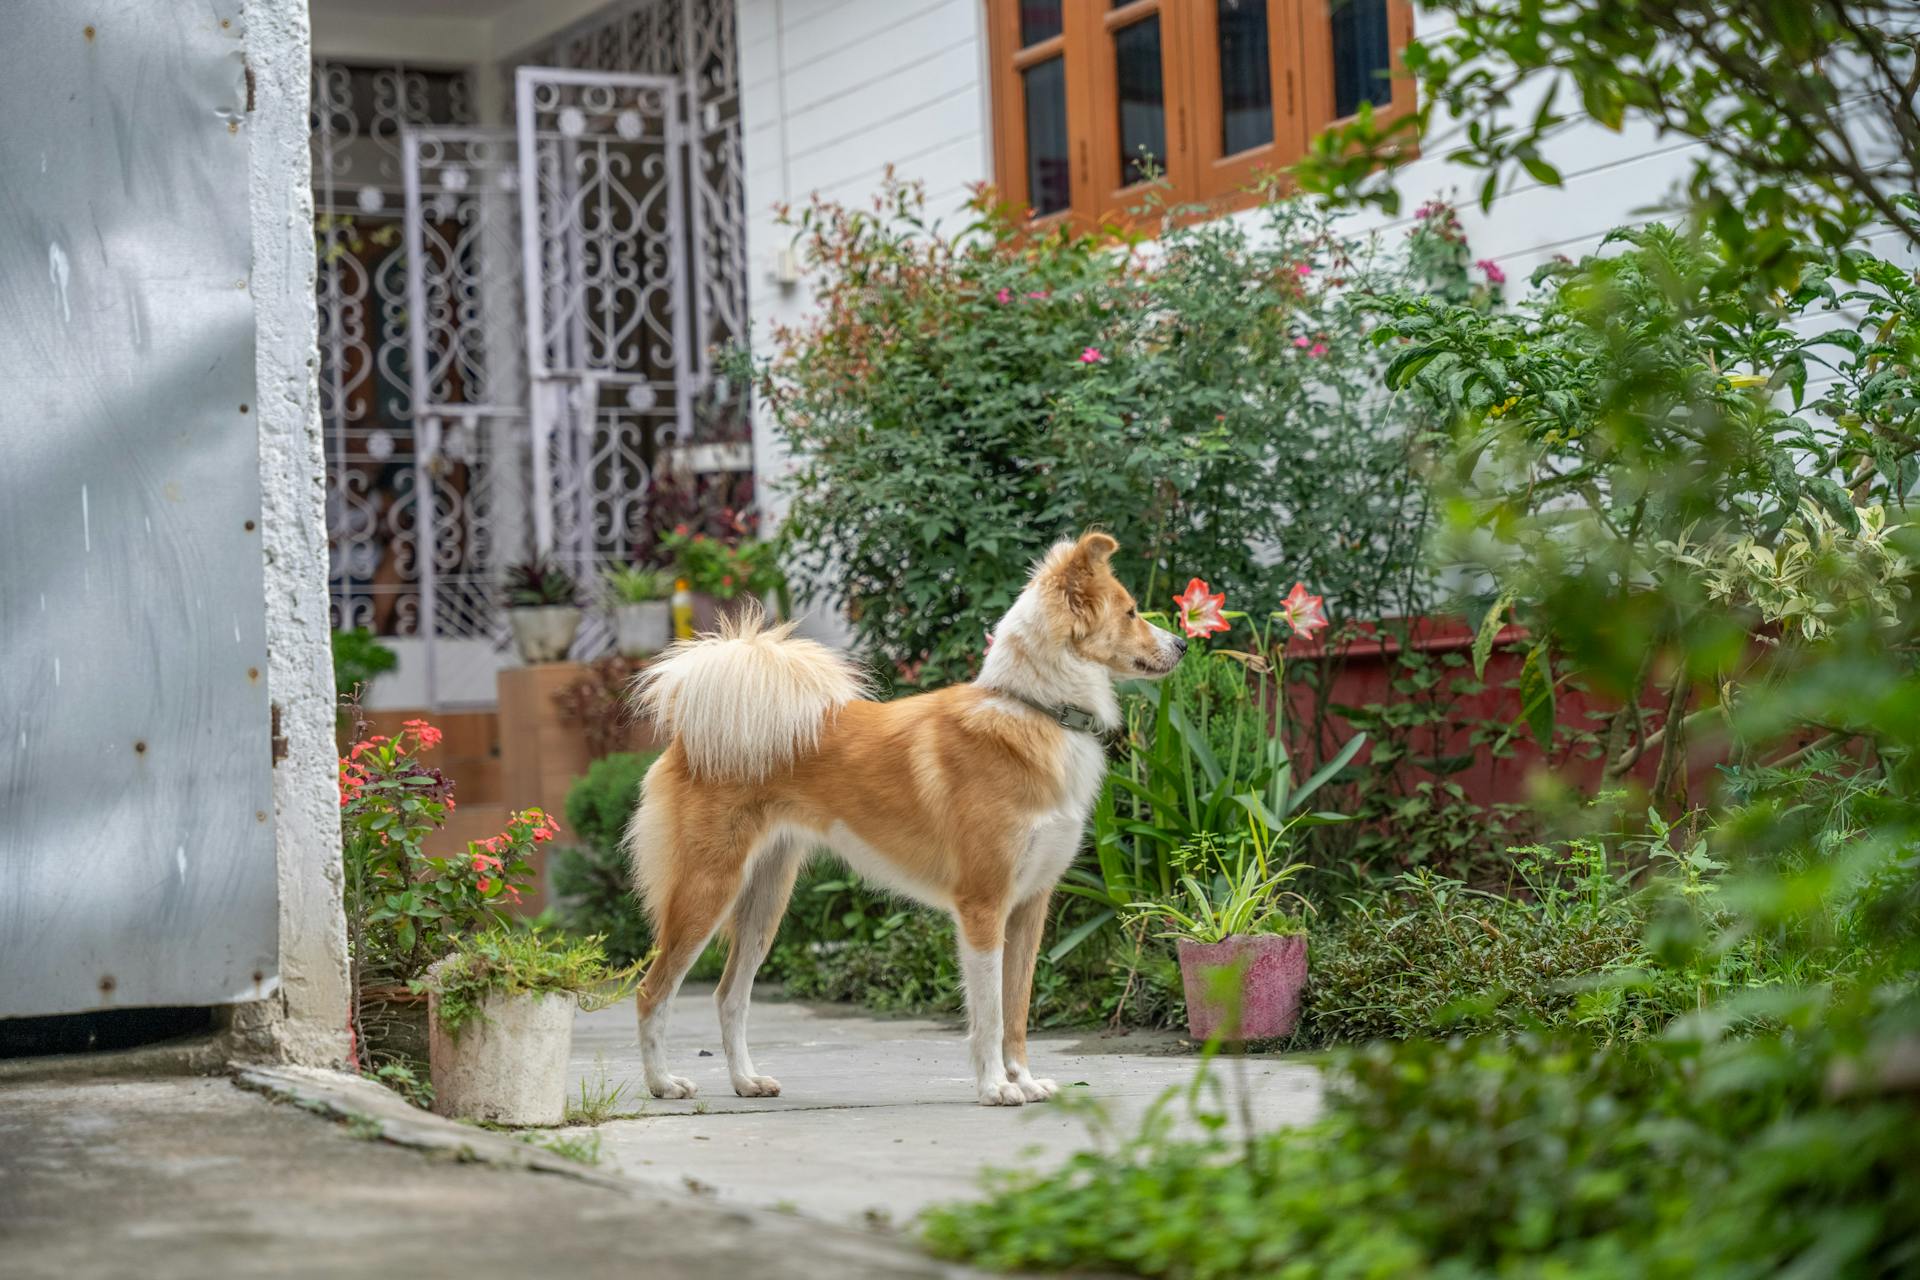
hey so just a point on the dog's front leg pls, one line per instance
(981, 934)
(1024, 928)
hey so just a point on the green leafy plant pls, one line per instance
(1241, 893)
(357, 658)
(600, 1100)
(513, 962)
(405, 908)
(537, 583)
(726, 569)
(969, 393)
(636, 584)
(1782, 96)
(1172, 793)
(592, 883)
(1636, 442)
(405, 1081)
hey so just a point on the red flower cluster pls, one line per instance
(428, 735)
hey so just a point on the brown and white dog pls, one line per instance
(971, 799)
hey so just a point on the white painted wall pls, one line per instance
(307, 1020)
(831, 93)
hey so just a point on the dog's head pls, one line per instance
(1095, 617)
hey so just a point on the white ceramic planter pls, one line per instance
(509, 1067)
(644, 628)
(544, 633)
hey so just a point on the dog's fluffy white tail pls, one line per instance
(744, 701)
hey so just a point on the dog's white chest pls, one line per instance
(1056, 836)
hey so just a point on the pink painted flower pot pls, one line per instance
(1274, 976)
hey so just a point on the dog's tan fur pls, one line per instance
(967, 799)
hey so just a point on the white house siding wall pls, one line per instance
(831, 93)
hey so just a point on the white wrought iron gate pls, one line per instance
(515, 337)
(464, 343)
(610, 374)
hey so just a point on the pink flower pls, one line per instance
(1038, 293)
(484, 884)
(1303, 341)
(1318, 349)
(1091, 356)
(1302, 269)
(1303, 612)
(1494, 274)
(1200, 608)
(1003, 297)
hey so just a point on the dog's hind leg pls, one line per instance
(688, 892)
(1024, 928)
(756, 918)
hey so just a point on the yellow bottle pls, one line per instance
(682, 610)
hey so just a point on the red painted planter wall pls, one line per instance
(1363, 671)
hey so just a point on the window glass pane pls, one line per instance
(1361, 63)
(1143, 107)
(1048, 187)
(1246, 82)
(1039, 21)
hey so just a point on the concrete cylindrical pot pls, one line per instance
(508, 1066)
(1273, 980)
(544, 633)
(642, 628)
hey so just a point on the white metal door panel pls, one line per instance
(136, 834)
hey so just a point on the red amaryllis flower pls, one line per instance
(1303, 612)
(1200, 609)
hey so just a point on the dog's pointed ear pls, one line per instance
(1097, 546)
(1080, 572)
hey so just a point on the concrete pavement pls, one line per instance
(876, 1118)
(191, 1178)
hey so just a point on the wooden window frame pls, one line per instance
(1300, 60)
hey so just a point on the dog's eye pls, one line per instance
(1132, 611)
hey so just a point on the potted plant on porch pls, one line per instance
(406, 907)
(501, 1008)
(543, 604)
(642, 614)
(728, 578)
(1238, 924)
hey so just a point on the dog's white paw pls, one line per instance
(1036, 1090)
(1001, 1094)
(756, 1086)
(672, 1087)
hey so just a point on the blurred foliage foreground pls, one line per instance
(1641, 474)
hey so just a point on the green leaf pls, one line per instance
(1065, 947)
(1540, 171)
(1536, 695)
(1489, 628)
(1327, 771)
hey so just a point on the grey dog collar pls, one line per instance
(1065, 715)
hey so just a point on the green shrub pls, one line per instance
(909, 968)
(1433, 957)
(966, 395)
(1538, 1157)
(593, 889)
(357, 658)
